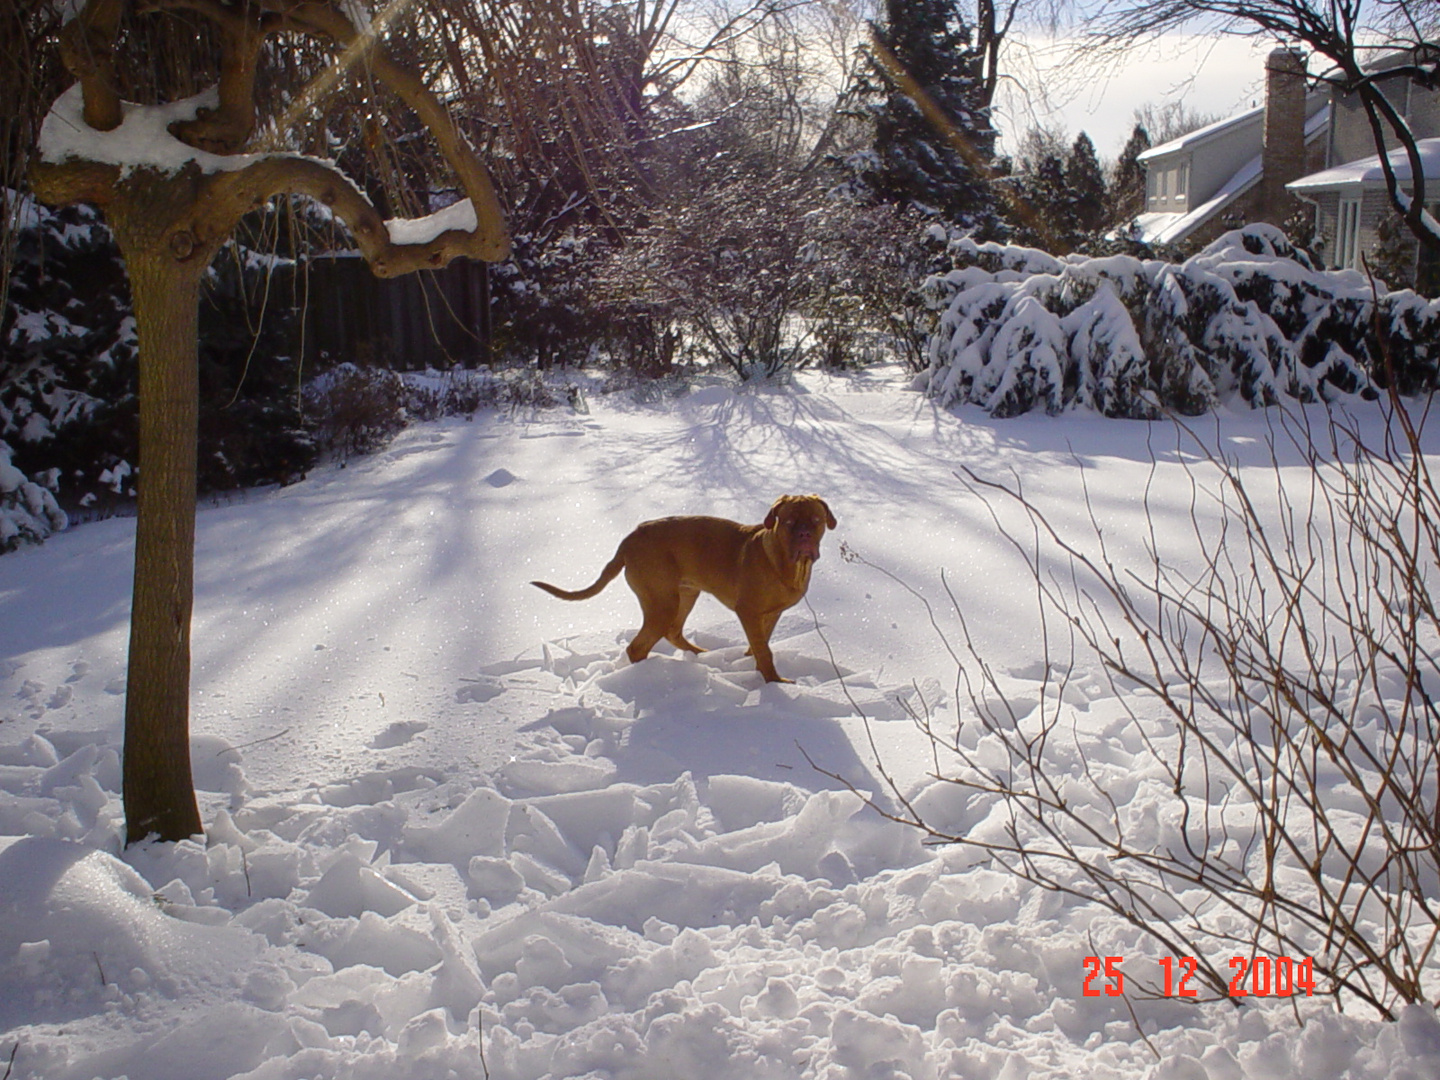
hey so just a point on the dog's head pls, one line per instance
(799, 521)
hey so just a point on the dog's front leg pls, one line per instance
(758, 628)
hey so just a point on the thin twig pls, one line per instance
(254, 742)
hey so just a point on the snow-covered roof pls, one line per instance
(1170, 228)
(1367, 173)
(1317, 108)
(1191, 139)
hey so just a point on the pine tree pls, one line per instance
(934, 143)
(1127, 187)
(1044, 213)
(1085, 188)
(69, 367)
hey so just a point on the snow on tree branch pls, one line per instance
(92, 140)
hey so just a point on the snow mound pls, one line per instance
(572, 923)
(79, 929)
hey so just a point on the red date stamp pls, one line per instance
(1257, 976)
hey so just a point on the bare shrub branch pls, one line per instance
(1280, 689)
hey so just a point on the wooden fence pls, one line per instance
(432, 318)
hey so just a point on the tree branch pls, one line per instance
(244, 189)
(224, 130)
(87, 48)
(491, 239)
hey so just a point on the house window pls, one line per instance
(1182, 181)
(1347, 235)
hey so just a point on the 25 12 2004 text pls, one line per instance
(1257, 976)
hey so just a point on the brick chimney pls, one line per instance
(1284, 155)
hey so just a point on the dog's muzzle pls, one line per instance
(805, 544)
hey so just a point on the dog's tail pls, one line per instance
(609, 574)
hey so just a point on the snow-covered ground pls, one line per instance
(451, 832)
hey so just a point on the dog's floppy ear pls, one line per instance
(774, 515)
(829, 517)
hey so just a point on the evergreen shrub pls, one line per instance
(1251, 317)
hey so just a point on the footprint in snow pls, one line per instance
(479, 691)
(501, 478)
(397, 734)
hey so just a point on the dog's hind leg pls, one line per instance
(676, 634)
(658, 608)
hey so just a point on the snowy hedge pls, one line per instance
(28, 511)
(1249, 316)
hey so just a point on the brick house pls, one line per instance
(1236, 170)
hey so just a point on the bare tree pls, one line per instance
(1366, 42)
(740, 245)
(172, 197)
(1170, 120)
(584, 91)
(994, 20)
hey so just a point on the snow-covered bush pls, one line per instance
(28, 511)
(355, 410)
(1249, 316)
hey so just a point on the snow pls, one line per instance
(142, 139)
(452, 832)
(458, 215)
(1369, 173)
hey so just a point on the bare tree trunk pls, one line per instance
(165, 276)
(169, 225)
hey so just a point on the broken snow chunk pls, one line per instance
(422, 1034)
(538, 876)
(350, 888)
(494, 879)
(475, 827)
(572, 773)
(542, 963)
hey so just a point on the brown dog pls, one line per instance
(757, 571)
